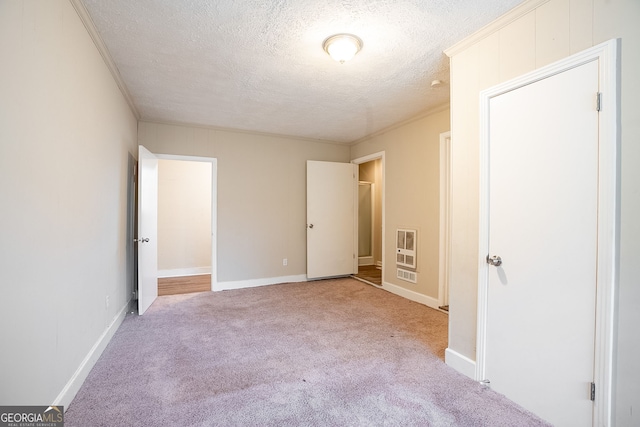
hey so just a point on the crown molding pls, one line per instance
(501, 22)
(84, 16)
(422, 115)
(243, 131)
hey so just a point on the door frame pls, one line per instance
(608, 56)
(445, 218)
(214, 208)
(369, 158)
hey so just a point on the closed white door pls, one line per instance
(147, 229)
(543, 217)
(331, 199)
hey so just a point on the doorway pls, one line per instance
(184, 226)
(147, 230)
(370, 218)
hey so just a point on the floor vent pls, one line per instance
(409, 276)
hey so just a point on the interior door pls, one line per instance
(147, 229)
(543, 199)
(331, 199)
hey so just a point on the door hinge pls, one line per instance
(593, 391)
(599, 101)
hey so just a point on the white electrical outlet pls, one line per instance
(284, 261)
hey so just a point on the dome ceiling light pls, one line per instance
(342, 47)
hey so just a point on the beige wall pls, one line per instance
(412, 189)
(65, 137)
(261, 194)
(552, 31)
(184, 217)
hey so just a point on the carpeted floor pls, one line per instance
(326, 353)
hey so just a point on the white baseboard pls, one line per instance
(75, 382)
(241, 284)
(412, 295)
(460, 363)
(365, 260)
(178, 272)
(379, 264)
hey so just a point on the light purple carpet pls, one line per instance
(327, 353)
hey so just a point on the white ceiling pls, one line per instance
(259, 65)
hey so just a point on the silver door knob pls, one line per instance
(495, 260)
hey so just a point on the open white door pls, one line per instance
(331, 199)
(147, 229)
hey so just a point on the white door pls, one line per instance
(147, 229)
(543, 218)
(331, 198)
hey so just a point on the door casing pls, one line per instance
(445, 218)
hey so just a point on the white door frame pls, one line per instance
(214, 208)
(375, 156)
(608, 57)
(445, 218)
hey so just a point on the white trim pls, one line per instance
(608, 57)
(365, 260)
(71, 388)
(497, 24)
(368, 158)
(84, 16)
(411, 295)
(246, 132)
(214, 208)
(426, 113)
(355, 170)
(242, 284)
(179, 272)
(445, 218)
(460, 363)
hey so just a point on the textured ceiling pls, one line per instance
(258, 65)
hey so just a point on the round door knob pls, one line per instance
(495, 260)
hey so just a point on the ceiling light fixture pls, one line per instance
(342, 47)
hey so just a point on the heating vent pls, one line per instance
(409, 276)
(406, 248)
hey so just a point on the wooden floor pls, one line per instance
(184, 284)
(370, 273)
